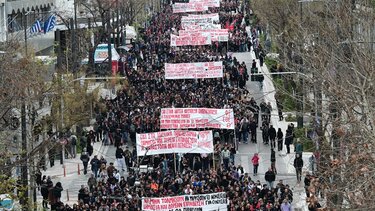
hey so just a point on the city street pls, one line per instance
(284, 163)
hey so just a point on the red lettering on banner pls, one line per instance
(204, 144)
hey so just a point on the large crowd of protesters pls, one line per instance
(136, 109)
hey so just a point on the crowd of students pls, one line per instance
(136, 109)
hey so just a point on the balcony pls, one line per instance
(26, 5)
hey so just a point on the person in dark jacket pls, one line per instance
(288, 138)
(253, 131)
(273, 160)
(85, 160)
(270, 177)
(44, 192)
(265, 132)
(95, 165)
(280, 136)
(298, 164)
(272, 135)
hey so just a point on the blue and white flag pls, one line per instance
(49, 24)
(36, 27)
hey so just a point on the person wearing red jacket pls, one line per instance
(255, 161)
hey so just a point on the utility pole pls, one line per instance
(109, 28)
(24, 169)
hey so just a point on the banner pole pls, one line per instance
(175, 166)
(213, 160)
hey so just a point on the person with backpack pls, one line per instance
(85, 160)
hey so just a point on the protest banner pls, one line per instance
(175, 141)
(217, 35)
(199, 202)
(199, 39)
(189, 7)
(194, 70)
(187, 21)
(208, 3)
(183, 118)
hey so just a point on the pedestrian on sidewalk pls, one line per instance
(120, 159)
(44, 192)
(95, 165)
(261, 59)
(298, 164)
(280, 110)
(273, 160)
(270, 177)
(244, 129)
(272, 135)
(265, 132)
(288, 139)
(280, 136)
(225, 154)
(73, 145)
(253, 131)
(255, 162)
(85, 160)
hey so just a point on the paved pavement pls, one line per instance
(284, 162)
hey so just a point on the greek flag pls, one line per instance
(49, 24)
(36, 27)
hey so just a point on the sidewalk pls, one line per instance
(72, 179)
(284, 162)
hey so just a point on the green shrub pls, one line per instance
(290, 118)
(270, 63)
(308, 144)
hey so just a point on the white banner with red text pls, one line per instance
(200, 39)
(189, 7)
(208, 3)
(200, 202)
(183, 118)
(217, 35)
(198, 21)
(175, 141)
(194, 70)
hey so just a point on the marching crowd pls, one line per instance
(136, 109)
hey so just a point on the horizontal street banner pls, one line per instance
(200, 39)
(189, 7)
(183, 118)
(208, 3)
(194, 70)
(200, 202)
(175, 141)
(194, 21)
(220, 35)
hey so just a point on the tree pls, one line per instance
(21, 86)
(335, 42)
